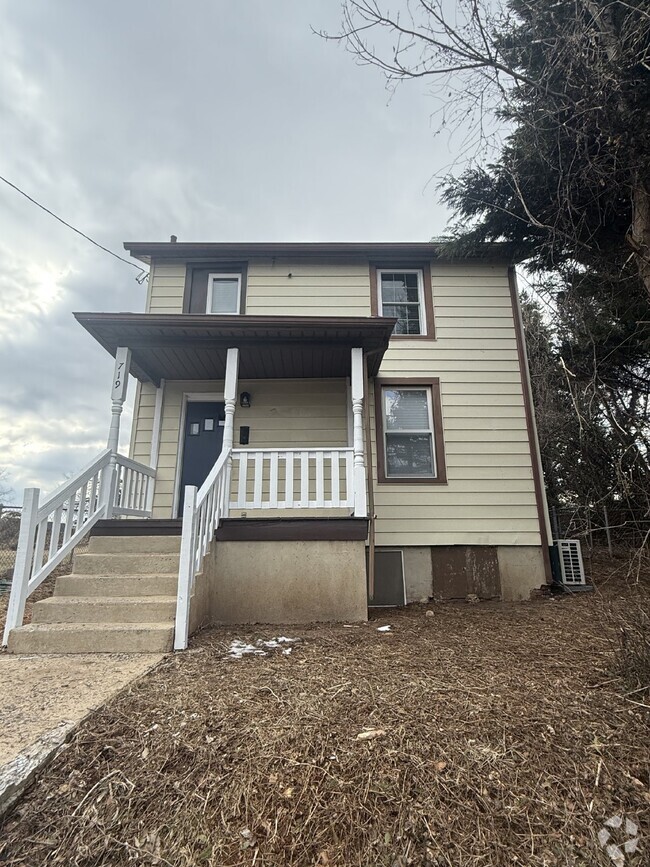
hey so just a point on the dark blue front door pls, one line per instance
(202, 441)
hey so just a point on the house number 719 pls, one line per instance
(121, 374)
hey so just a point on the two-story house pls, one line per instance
(316, 427)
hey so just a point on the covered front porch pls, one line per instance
(285, 396)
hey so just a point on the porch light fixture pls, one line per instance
(245, 400)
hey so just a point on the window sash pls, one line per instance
(397, 433)
(214, 278)
(420, 302)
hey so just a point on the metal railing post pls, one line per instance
(23, 564)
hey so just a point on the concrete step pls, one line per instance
(91, 638)
(124, 564)
(152, 584)
(134, 545)
(105, 609)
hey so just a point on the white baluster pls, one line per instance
(273, 481)
(304, 480)
(336, 493)
(320, 480)
(288, 480)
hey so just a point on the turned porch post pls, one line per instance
(118, 396)
(357, 378)
(230, 401)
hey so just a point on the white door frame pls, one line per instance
(188, 397)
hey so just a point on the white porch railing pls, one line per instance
(202, 514)
(51, 528)
(294, 478)
(134, 485)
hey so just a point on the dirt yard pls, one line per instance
(482, 734)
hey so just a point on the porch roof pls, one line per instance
(190, 346)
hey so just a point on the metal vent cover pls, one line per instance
(573, 572)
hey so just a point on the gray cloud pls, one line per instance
(211, 120)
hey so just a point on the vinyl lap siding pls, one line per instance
(311, 290)
(490, 496)
(283, 414)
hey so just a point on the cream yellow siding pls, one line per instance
(490, 495)
(283, 414)
(167, 285)
(291, 288)
(278, 288)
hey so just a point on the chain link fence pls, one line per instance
(602, 526)
(9, 527)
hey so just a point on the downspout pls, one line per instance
(371, 491)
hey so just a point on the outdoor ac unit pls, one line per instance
(573, 570)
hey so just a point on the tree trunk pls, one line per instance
(639, 236)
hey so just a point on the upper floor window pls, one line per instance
(400, 294)
(403, 292)
(217, 287)
(224, 293)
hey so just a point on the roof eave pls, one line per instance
(145, 251)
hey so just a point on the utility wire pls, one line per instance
(141, 276)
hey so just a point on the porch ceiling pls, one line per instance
(187, 346)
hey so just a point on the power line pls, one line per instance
(141, 276)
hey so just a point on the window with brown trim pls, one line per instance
(410, 445)
(215, 287)
(403, 291)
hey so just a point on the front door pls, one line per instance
(202, 440)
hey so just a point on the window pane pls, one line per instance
(406, 410)
(407, 315)
(399, 287)
(409, 455)
(225, 295)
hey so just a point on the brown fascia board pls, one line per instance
(146, 251)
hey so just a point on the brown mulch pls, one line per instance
(493, 734)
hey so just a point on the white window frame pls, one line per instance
(421, 310)
(431, 431)
(220, 275)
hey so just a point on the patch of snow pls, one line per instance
(240, 648)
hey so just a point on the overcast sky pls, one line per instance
(211, 120)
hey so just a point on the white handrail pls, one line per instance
(51, 529)
(313, 478)
(202, 514)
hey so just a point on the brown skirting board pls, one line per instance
(292, 529)
(138, 527)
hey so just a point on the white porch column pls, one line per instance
(230, 400)
(118, 396)
(154, 451)
(357, 378)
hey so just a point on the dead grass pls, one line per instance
(501, 737)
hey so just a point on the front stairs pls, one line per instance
(120, 598)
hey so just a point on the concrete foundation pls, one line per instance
(285, 582)
(521, 569)
(447, 572)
